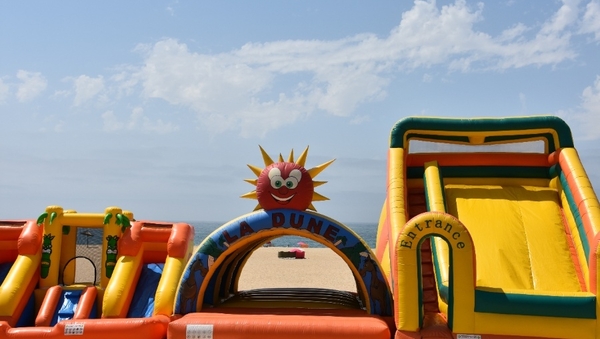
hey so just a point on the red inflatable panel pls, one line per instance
(292, 324)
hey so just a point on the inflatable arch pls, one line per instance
(214, 270)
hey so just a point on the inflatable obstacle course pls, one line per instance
(138, 265)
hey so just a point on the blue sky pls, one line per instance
(157, 107)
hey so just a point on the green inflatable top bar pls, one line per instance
(459, 130)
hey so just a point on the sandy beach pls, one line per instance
(321, 268)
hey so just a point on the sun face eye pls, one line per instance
(291, 183)
(293, 180)
(275, 178)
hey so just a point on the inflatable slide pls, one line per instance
(122, 284)
(20, 257)
(489, 230)
(211, 304)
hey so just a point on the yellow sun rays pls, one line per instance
(313, 172)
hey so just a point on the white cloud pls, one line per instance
(136, 121)
(124, 84)
(429, 36)
(204, 82)
(591, 19)
(590, 105)
(262, 86)
(258, 117)
(523, 101)
(87, 88)
(111, 123)
(171, 8)
(349, 86)
(137, 114)
(59, 126)
(31, 85)
(584, 119)
(513, 33)
(4, 90)
(360, 119)
(563, 18)
(158, 126)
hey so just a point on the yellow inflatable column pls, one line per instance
(68, 249)
(595, 279)
(51, 245)
(461, 304)
(113, 220)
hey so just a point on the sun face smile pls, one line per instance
(285, 183)
(282, 200)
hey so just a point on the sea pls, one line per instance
(367, 231)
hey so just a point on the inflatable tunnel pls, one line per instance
(209, 294)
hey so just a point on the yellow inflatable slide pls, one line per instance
(490, 230)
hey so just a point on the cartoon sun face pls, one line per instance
(285, 184)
